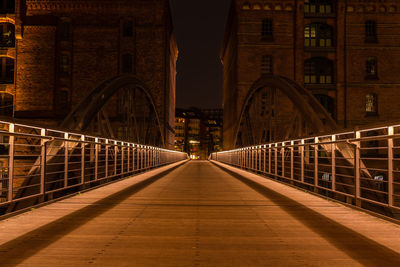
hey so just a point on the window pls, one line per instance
(371, 104)
(7, 70)
(7, 6)
(65, 31)
(267, 29)
(6, 104)
(327, 102)
(127, 63)
(371, 68)
(7, 35)
(266, 65)
(318, 35)
(318, 7)
(370, 32)
(127, 30)
(65, 65)
(63, 101)
(318, 71)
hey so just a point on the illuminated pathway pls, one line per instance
(198, 215)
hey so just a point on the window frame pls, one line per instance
(371, 68)
(374, 110)
(316, 29)
(267, 65)
(371, 34)
(267, 30)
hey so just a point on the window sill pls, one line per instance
(320, 15)
(371, 114)
(371, 78)
(319, 49)
(319, 86)
(267, 38)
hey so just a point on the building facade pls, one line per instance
(198, 132)
(346, 53)
(54, 53)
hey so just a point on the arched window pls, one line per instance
(318, 35)
(327, 102)
(318, 71)
(7, 6)
(127, 63)
(6, 70)
(7, 35)
(318, 7)
(6, 104)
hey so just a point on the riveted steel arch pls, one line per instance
(259, 107)
(87, 110)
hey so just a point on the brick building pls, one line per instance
(198, 132)
(53, 53)
(347, 53)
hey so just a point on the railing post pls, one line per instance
(106, 159)
(43, 163)
(283, 158)
(302, 161)
(259, 159)
(292, 160)
(122, 157)
(390, 166)
(357, 170)
(316, 164)
(82, 159)
(11, 163)
(333, 160)
(115, 157)
(128, 168)
(276, 159)
(269, 158)
(66, 154)
(96, 159)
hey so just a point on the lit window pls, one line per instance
(266, 65)
(318, 35)
(318, 7)
(7, 35)
(370, 32)
(371, 104)
(7, 70)
(371, 68)
(127, 63)
(318, 71)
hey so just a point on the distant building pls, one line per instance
(198, 132)
(344, 52)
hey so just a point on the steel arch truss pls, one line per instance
(277, 108)
(122, 108)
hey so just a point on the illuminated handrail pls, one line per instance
(360, 167)
(37, 164)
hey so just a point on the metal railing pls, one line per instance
(360, 168)
(38, 164)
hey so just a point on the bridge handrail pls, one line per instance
(360, 167)
(36, 163)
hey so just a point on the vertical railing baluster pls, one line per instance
(333, 160)
(292, 160)
(106, 159)
(43, 163)
(82, 159)
(390, 166)
(316, 164)
(96, 159)
(357, 169)
(11, 163)
(66, 154)
(302, 161)
(283, 158)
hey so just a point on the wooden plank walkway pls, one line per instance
(198, 215)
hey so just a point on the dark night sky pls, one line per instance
(199, 29)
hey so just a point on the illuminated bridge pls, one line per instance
(74, 199)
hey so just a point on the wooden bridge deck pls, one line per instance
(197, 215)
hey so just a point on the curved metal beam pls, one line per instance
(302, 99)
(81, 116)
